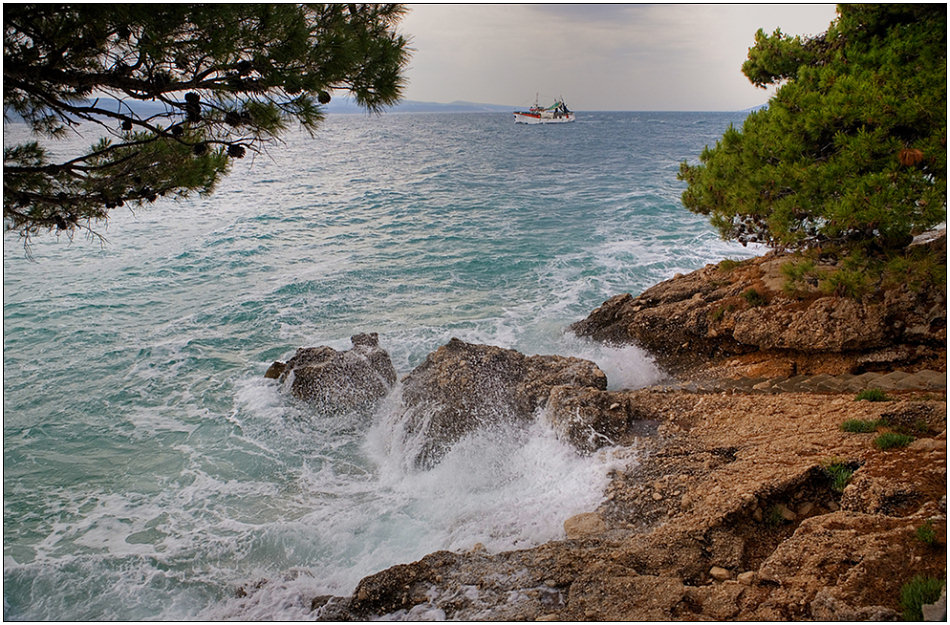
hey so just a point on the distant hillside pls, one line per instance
(340, 105)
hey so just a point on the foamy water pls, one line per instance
(150, 470)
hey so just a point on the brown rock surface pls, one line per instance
(741, 312)
(726, 466)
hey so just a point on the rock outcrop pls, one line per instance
(462, 387)
(732, 516)
(743, 313)
(749, 503)
(330, 380)
(590, 418)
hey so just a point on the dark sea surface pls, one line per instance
(149, 468)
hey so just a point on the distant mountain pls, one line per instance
(340, 105)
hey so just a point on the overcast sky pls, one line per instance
(659, 57)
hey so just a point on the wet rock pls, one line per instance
(462, 387)
(276, 370)
(331, 380)
(590, 418)
(398, 588)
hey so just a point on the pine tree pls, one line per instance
(851, 151)
(223, 79)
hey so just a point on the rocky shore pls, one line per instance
(765, 490)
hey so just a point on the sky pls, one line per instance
(607, 57)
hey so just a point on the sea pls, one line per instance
(151, 472)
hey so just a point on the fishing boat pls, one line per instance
(557, 113)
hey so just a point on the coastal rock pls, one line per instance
(331, 380)
(590, 418)
(462, 387)
(743, 310)
(584, 525)
(936, 611)
(732, 486)
(730, 455)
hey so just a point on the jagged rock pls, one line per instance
(461, 387)
(399, 587)
(728, 310)
(331, 380)
(823, 553)
(590, 418)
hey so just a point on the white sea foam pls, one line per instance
(506, 487)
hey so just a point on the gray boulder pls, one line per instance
(462, 387)
(351, 380)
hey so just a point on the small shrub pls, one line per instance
(774, 517)
(926, 534)
(919, 592)
(798, 273)
(729, 264)
(839, 472)
(860, 426)
(872, 394)
(846, 282)
(754, 298)
(917, 268)
(891, 440)
(718, 314)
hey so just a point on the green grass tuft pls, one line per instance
(839, 472)
(919, 592)
(872, 394)
(891, 440)
(860, 426)
(773, 517)
(926, 534)
(729, 264)
(754, 298)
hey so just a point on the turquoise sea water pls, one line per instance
(150, 470)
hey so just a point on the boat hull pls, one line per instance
(533, 118)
